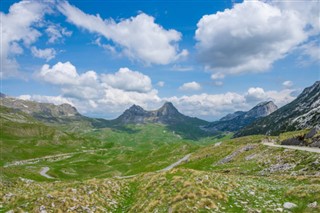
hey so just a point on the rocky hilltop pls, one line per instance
(302, 113)
(239, 119)
(42, 111)
(167, 114)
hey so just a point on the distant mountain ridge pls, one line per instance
(49, 113)
(234, 122)
(301, 113)
(167, 114)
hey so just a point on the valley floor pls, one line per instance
(149, 169)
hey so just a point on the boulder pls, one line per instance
(311, 133)
(289, 205)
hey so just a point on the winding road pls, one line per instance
(302, 148)
(185, 158)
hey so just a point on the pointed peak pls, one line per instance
(262, 109)
(265, 103)
(168, 104)
(136, 108)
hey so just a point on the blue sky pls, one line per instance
(207, 57)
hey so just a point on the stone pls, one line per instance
(289, 205)
(311, 133)
(313, 205)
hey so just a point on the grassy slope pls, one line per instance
(200, 185)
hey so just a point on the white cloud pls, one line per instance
(155, 45)
(255, 94)
(218, 75)
(213, 106)
(57, 100)
(161, 84)
(60, 74)
(209, 105)
(190, 86)
(47, 53)
(57, 33)
(287, 84)
(128, 80)
(180, 68)
(312, 51)
(111, 94)
(93, 93)
(249, 37)
(17, 26)
(308, 11)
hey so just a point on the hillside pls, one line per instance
(302, 113)
(238, 175)
(238, 120)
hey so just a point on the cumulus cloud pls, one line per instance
(94, 93)
(110, 94)
(251, 36)
(17, 30)
(57, 100)
(255, 94)
(47, 53)
(190, 86)
(213, 106)
(155, 45)
(128, 80)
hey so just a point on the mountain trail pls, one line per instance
(308, 149)
(185, 158)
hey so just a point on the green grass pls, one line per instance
(88, 179)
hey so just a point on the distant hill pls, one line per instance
(52, 114)
(302, 113)
(234, 122)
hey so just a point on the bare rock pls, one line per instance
(289, 205)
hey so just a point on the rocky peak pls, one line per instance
(67, 110)
(167, 110)
(2, 95)
(262, 109)
(136, 110)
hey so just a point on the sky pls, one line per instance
(208, 57)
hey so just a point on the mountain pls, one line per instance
(52, 114)
(42, 111)
(231, 116)
(234, 122)
(302, 113)
(188, 127)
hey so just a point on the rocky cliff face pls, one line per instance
(303, 112)
(261, 110)
(238, 120)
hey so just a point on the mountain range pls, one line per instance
(264, 118)
(301, 113)
(238, 120)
